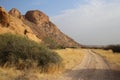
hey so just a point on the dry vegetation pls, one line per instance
(19, 54)
(111, 57)
(9, 73)
(71, 57)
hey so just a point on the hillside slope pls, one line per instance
(44, 28)
(35, 25)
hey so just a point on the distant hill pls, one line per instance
(36, 26)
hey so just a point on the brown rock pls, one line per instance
(43, 28)
(14, 12)
(10, 24)
(36, 17)
(35, 25)
(4, 17)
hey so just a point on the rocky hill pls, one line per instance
(35, 25)
(10, 24)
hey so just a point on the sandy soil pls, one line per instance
(92, 67)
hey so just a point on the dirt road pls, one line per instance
(92, 67)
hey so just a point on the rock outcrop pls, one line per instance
(36, 17)
(34, 25)
(14, 12)
(10, 24)
(43, 27)
(4, 17)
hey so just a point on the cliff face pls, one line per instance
(4, 17)
(35, 25)
(10, 24)
(36, 17)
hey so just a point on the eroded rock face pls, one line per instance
(35, 25)
(36, 17)
(44, 28)
(4, 17)
(14, 25)
(14, 12)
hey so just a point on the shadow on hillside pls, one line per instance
(94, 74)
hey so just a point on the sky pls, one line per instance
(89, 22)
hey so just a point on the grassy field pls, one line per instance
(111, 57)
(71, 57)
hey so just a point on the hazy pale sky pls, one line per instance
(90, 22)
(97, 22)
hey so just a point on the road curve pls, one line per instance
(92, 67)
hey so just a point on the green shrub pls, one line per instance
(22, 53)
(50, 43)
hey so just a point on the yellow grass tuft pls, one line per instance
(71, 57)
(9, 73)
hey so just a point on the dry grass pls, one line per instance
(13, 74)
(9, 73)
(112, 58)
(71, 57)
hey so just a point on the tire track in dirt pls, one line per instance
(92, 67)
